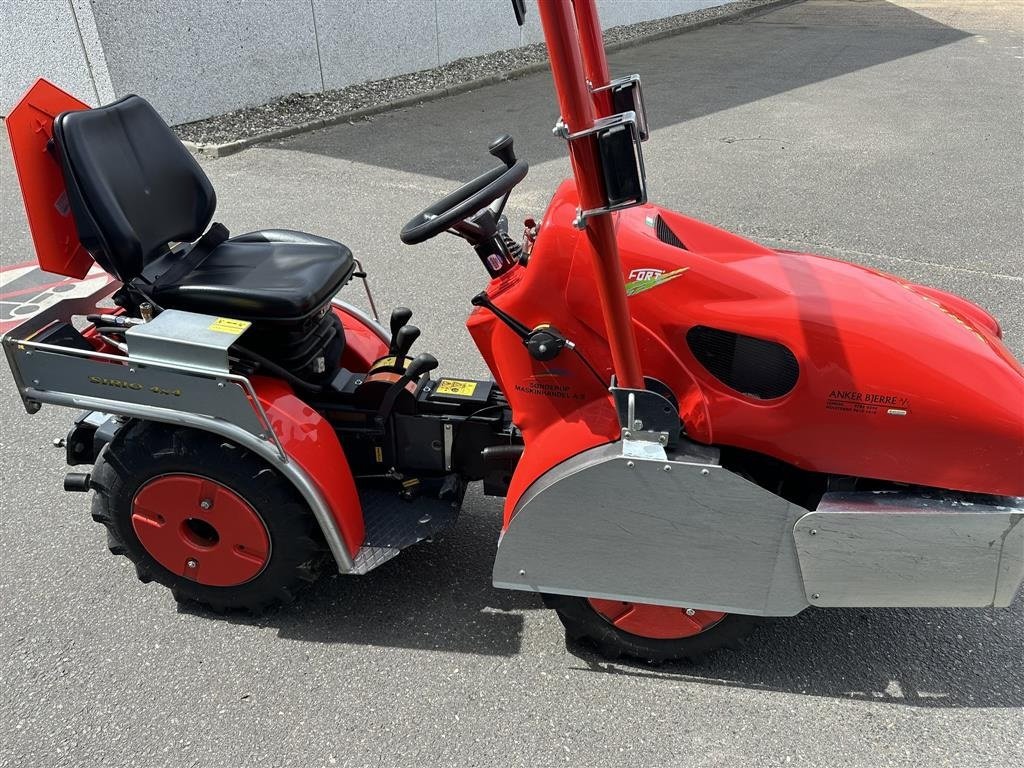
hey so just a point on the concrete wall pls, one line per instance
(197, 58)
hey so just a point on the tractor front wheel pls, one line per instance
(653, 633)
(206, 518)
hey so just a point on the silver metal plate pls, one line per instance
(392, 524)
(683, 531)
(129, 381)
(909, 550)
(185, 338)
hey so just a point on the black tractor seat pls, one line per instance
(273, 274)
(135, 191)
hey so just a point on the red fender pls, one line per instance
(364, 343)
(309, 440)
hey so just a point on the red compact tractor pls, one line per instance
(690, 430)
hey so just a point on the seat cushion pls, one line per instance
(271, 274)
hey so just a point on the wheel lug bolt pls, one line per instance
(205, 503)
(192, 563)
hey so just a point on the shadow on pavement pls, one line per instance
(921, 658)
(685, 77)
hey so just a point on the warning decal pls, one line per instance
(229, 325)
(455, 388)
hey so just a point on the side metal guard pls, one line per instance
(124, 385)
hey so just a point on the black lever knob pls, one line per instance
(502, 149)
(422, 363)
(403, 342)
(400, 316)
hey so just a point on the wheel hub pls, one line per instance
(657, 622)
(200, 529)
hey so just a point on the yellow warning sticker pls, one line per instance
(455, 387)
(228, 325)
(384, 362)
(378, 454)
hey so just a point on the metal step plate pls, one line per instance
(393, 523)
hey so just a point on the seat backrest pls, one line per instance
(132, 186)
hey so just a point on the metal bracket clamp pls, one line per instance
(645, 415)
(627, 95)
(612, 163)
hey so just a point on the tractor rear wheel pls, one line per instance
(204, 517)
(653, 633)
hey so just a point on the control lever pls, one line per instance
(400, 317)
(545, 342)
(403, 342)
(483, 300)
(501, 148)
(421, 364)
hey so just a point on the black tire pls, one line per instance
(142, 451)
(584, 624)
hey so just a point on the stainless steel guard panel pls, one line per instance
(910, 550)
(617, 524)
(185, 338)
(42, 370)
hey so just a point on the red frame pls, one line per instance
(573, 35)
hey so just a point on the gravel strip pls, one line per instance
(297, 111)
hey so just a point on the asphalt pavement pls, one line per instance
(888, 134)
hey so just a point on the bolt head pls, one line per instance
(815, 596)
(638, 425)
(191, 563)
(705, 472)
(667, 468)
(206, 504)
(690, 612)
(814, 531)
(522, 572)
(630, 464)
(663, 439)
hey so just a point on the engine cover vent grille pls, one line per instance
(751, 366)
(666, 235)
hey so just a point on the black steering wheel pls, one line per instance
(469, 198)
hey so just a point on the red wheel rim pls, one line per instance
(202, 530)
(657, 622)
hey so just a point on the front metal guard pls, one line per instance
(191, 396)
(625, 521)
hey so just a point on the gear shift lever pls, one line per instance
(421, 364)
(403, 342)
(400, 317)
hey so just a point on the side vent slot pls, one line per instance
(754, 367)
(666, 235)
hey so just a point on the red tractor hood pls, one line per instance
(893, 380)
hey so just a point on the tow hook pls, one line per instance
(77, 482)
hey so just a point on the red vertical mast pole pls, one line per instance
(577, 106)
(595, 63)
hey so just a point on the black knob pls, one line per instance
(400, 316)
(502, 149)
(422, 363)
(404, 340)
